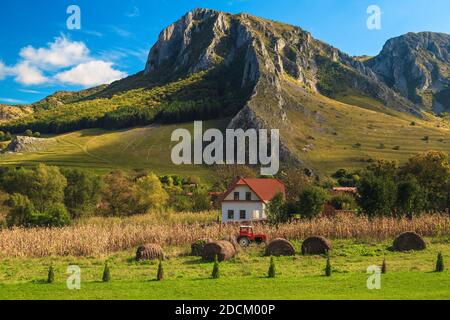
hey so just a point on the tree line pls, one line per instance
(421, 185)
(48, 196)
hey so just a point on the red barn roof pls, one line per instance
(265, 189)
(345, 189)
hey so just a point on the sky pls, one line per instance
(40, 53)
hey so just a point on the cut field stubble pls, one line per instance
(99, 237)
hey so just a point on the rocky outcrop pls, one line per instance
(8, 113)
(417, 65)
(28, 144)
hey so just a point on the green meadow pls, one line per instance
(409, 275)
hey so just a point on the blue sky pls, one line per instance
(40, 55)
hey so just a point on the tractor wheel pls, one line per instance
(244, 241)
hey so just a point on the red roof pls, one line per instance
(265, 189)
(345, 189)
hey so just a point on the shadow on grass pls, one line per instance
(196, 261)
(40, 281)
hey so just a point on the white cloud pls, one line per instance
(3, 70)
(91, 73)
(121, 32)
(60, 53)
(62, 61)
(28, 74)
(30, 91)
(13, 101)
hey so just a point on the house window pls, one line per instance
(242, 215)
(248, 196)
(230, 215)
(236, 196)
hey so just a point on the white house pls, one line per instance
(247, 199)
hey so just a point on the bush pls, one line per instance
(37, 134)
(411, 198)
(440, 267)
(378, 195)
(21, 212)
(118, 195)
(106, 273)
(160, 274)
(82, 193)
(43, 185)
(216, 272)
(150, 193)
(51, 275)
(180, 202)
(343, 201)
(55, 216)
(28, 133)
(312, 201)
(276, 210)
(272, 270)
(328, 268)
(201, 200)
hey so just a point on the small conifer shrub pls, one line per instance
(160, 275)
(384, 267)
(106, 273)
(328, 268)
(51, 275)
(216, 272)
(440, 263)
(272, 269)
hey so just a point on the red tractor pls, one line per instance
(246, 236)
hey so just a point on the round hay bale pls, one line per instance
(316, 245)
(197, 247)
(408, 241)
(149, 252)
(223, 249)
(232, 240)
(280, 247)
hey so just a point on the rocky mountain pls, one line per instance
(417, 65)
(271, 51)
(265, 74)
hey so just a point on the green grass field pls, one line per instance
(138, 148)
(410, 276)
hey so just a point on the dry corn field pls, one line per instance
(101, 236)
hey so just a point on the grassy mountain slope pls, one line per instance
(324, 135)
(327, 134)
(102, 150)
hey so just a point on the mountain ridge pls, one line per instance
(417, 65)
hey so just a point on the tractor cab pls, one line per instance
(246, 231)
